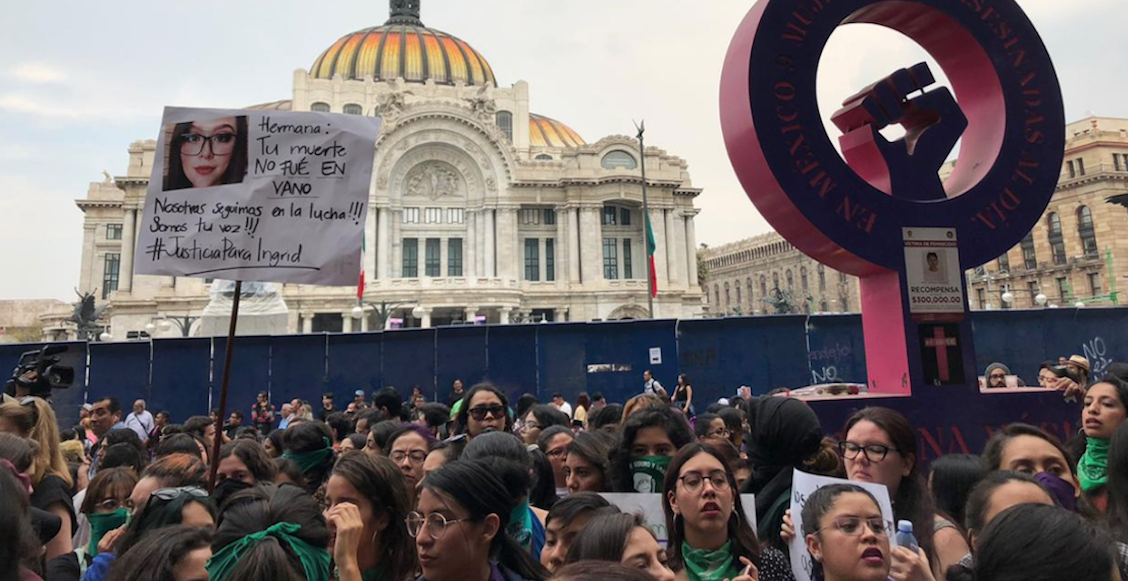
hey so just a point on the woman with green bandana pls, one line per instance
(310, 445)
(271, 532)
(505, 456)
(106, 506)
(368, 503)
(1103, 412)
(650, 438)
(621, 538)
(710, 537)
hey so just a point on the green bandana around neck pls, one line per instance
(648, 472)
(520, 527)
(100, 524)
(1092, 470)
(705, 565)
(307, 461)
(315, 560)
(373, 574)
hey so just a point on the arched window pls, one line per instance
(738, 299)
(319, 107)
(1057, 242)
(775, 280)
(543, 157)
(717, 294)
(822, 278)
(728, 298)
(505, 123)
(790, 281)
(803, 279)
(1088, 236)
(751, 302)
(1029, 257)
(763, 286)
(353, 109)
(823, 306)
(619, 160)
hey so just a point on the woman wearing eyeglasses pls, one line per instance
(408, 447)
(710, 538)
(459, 528)
(209, 153)
(107, 505)
(486, 409)
(881, 447)
(539, 418)
(554, 442)
(367, 502)
(847, 538)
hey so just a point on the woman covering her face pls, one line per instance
(710, 538)
(209, 153)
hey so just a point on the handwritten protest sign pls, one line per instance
(802, 486)
(258, 195)
(650, 507)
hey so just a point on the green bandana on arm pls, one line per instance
(314, 560)
(1092, 470)
(703, 565)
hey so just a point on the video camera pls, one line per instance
(53, 368)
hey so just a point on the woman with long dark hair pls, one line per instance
(170, 554)
(242, 464)
(310, 445)
(682, 398)
(1106, 407)
(460, 528)
(507, 457)
(586, 466)
(207, 153)
(710, 538)
(950, 481)
(484, 409)
(625, 539)
(367, 502)
(881, 447)
(650, 439)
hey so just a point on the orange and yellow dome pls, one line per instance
(403, 47)
(545, 132)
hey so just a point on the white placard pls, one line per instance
(802, 486)
(258, 195)
(650, 507)
(932, 271)
(655, 355)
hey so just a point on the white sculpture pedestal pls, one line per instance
(261, 310)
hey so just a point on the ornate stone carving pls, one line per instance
(433, 179)
(391, 103)
(482, 103)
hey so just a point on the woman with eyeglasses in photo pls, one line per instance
(107, 505)
(710, 537)
(881, 447)
(408, 447)
(367, 504)
(586, 465)
(208, 153)
(624, 539)
(460, 526)
(485, 409)
(650, 439)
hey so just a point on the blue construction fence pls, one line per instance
(718, 355)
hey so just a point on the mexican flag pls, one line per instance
(650, 248)
(360, 284)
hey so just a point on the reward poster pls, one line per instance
(258, 195)
(932, 270)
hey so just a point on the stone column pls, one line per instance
(364, 322)
(507, 249)
(491, 243)
(503, 314)
(571, 216)
(561, 314)
(562, 249)
(691, 249)
(470, 246)
(307, 323)
(128, 243)
(674, 248)
(346, 322)
(371, 243)
(396, 267)
(86, 283)
(425, 319)
(591, 250)
(383, 244)
(480, 242)
(471, 312)
(658, 223)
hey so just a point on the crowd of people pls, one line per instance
(479, 488)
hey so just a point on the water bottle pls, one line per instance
(905, 536)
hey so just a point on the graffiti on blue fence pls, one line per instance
(1095, 351)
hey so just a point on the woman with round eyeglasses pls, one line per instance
(710, 538)
(459, 528)
(554, 442)
(881, 447)
(710, 426)
(207, 153)
(107, 505)
(408, 447)
(486, 410)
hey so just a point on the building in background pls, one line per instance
(479, 210)
(1078, 254)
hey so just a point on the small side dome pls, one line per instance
(546, 132)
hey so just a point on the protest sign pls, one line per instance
(258, 195)
(802, 486)
(650, 507)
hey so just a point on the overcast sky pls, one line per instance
(81, 80)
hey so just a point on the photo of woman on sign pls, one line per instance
(202, 154)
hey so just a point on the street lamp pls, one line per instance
(1079, 304)
(1041, 299)
(105, 337)
(165, 323)
(358, 312)
(1008, 297)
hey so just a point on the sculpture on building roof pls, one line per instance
(86, 315)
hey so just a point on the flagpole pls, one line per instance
(648, 230)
